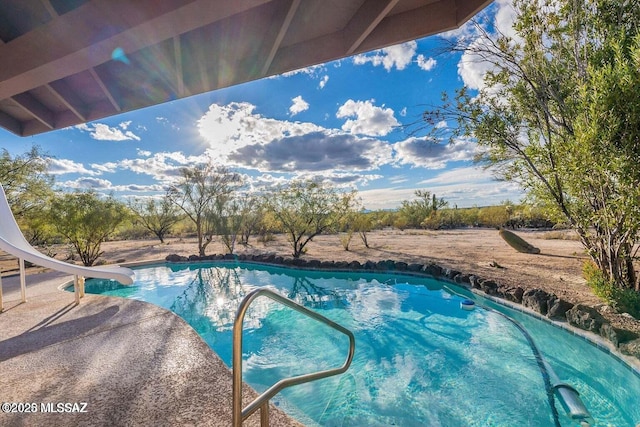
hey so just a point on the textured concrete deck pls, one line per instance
(134, 364)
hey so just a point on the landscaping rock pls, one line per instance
(175, 258)
(355, 265)
(558, 308)
(461, 278)
(537, 300)
(414, 267)
(299, 262)
(369, 265)
(489, 287)
(511, 293)
(313, 263)
(608, 332)
(475, 281)
(631, 348)
(341, 265)
(432, 269)
(327, 264)
(449, 273)
(585, 317)
(386, 265)
(401, 266)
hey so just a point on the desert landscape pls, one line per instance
(479, 251)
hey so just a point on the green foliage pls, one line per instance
(623, 300)
(517, 242)
(28, 185)
(306, 209)
(86, 220)
(413, 213)
(203, 194)
(559, 113)
(156, 215)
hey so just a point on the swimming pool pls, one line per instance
(420, 359)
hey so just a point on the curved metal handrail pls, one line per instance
(262, 401)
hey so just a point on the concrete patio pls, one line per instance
(131, 362)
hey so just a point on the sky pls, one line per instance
(349, 122)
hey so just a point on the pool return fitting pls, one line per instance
(262, 401)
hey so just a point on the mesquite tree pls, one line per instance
(306, 209)
(86, 220)
(201, 194)
(156, 215)
(559, 112)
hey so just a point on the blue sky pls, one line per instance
(342, 121)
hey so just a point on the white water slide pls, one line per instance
(13, 242)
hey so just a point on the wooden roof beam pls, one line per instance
(32, 106)
(86, 37)
(105, 89)
(284, 27)
(67, 97)
(365, 21)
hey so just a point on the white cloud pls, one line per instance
(369, 119)
(505, 16)
(470, 186)
(472, 67)
(141, 152)
(299, 105)
(462, 187)
(164, 167)
(431, 154)
(108, 167)
(398, 56)
(427, 64)
(103, 132)
(166, 122)
(64, 166)
(312, 71)
(87, 184)
(230, 127)
(323, 81)
(105, 186)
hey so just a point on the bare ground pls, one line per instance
(557, 269)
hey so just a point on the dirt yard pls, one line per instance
(557, 269)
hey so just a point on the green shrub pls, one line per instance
(624, 300)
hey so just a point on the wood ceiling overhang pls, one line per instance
(66, 62)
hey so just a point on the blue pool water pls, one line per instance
(420, 359)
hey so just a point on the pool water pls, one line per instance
(420, 359)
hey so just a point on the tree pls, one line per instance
(200, 193)
(416, 211)
(28, 185)
(228, 218)
(306, 209)
(86, 220)
(156, 215)
(362, 224)
(559, 112)
(252, 211)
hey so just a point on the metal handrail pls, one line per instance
(262, 401)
